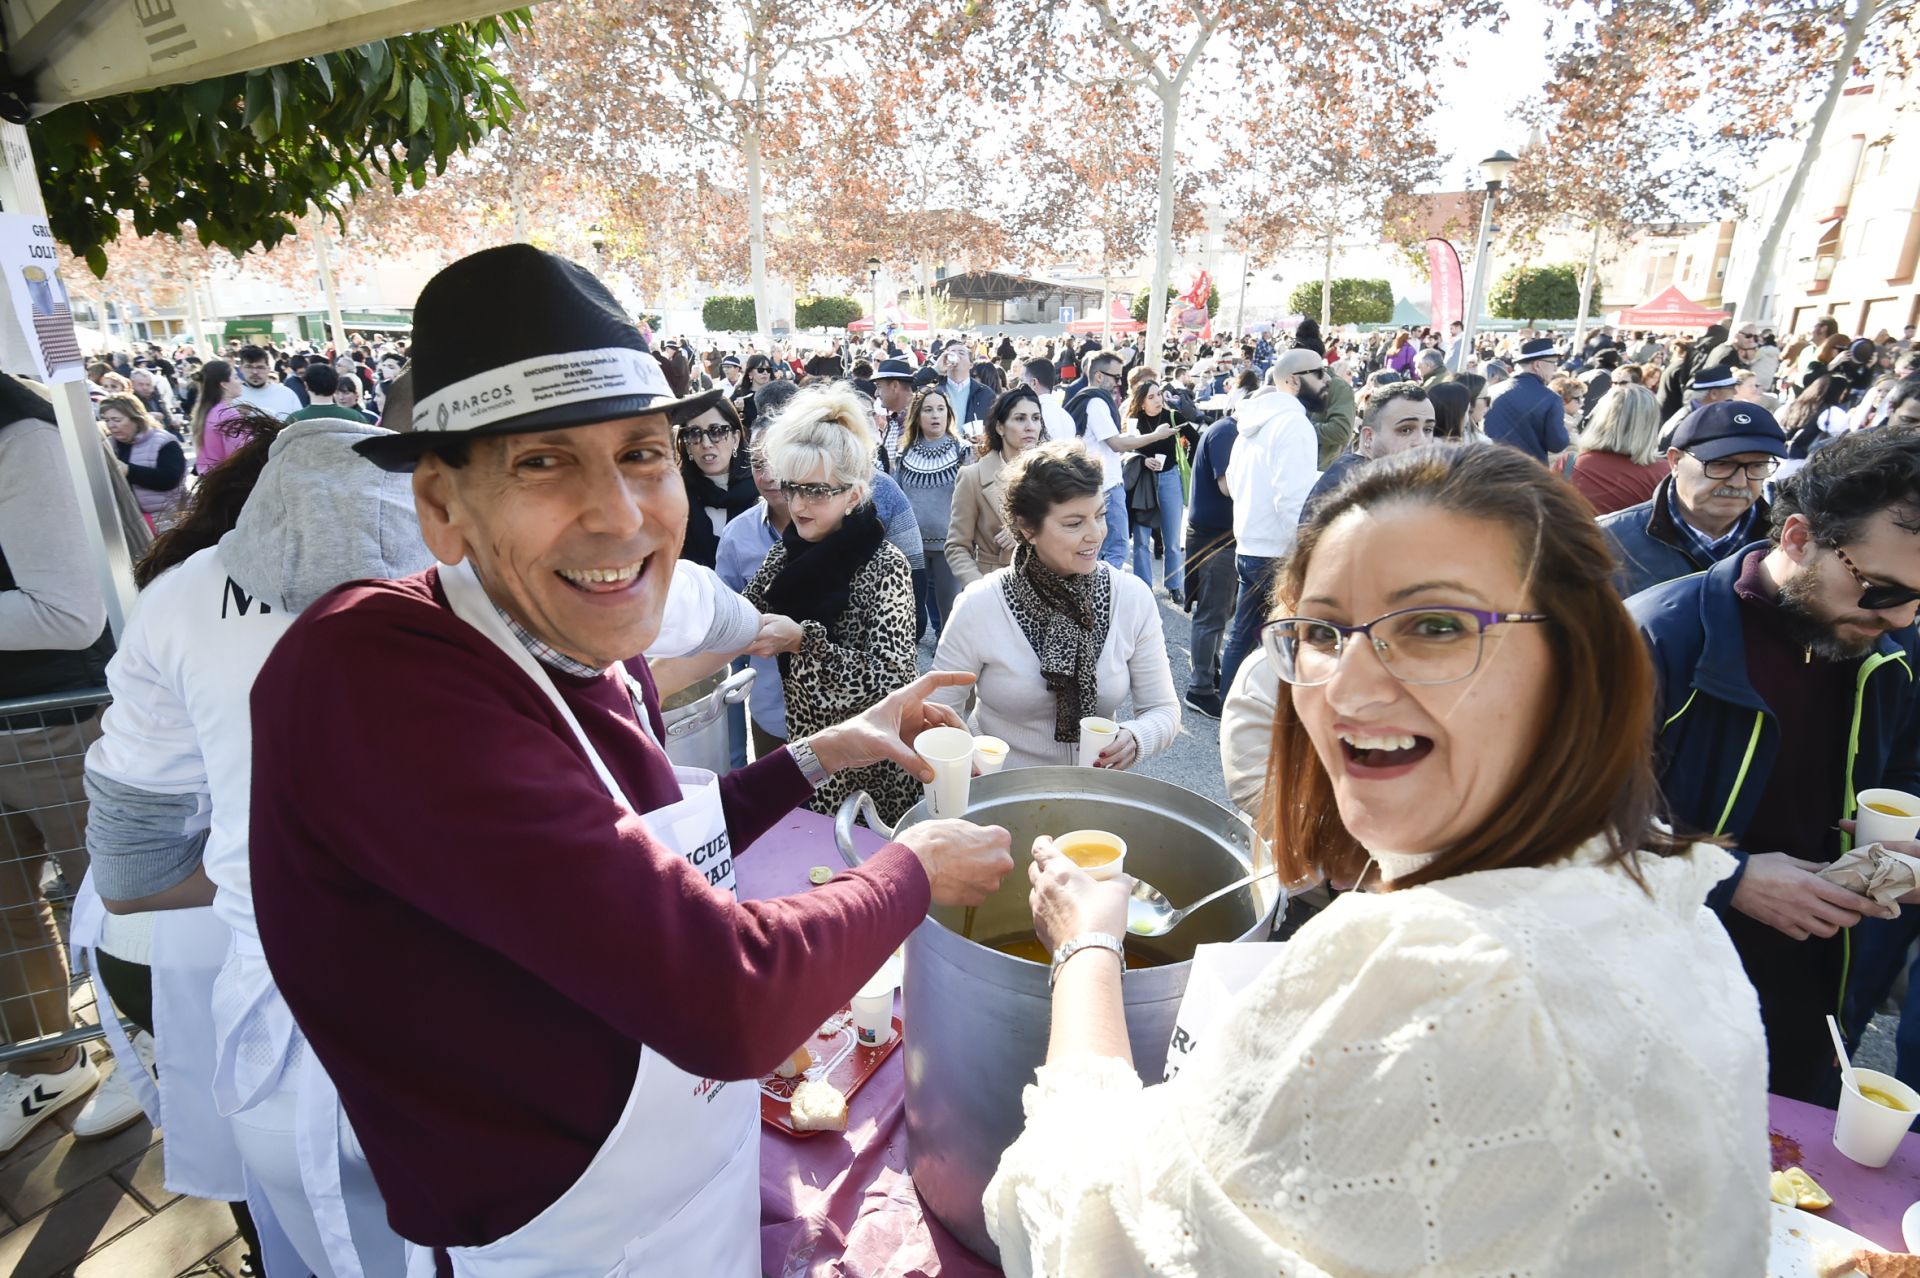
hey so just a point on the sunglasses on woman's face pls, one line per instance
(712, 434)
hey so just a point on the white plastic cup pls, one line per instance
(1872, 826)
(989, 755)
(1105, 869)
(1096, 734)
(949, 751)
(1866, 1131)
(873, 1014)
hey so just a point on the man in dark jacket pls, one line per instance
(1598, 380)
(1708, 507)
(1527, 414)
(1399, 417)
(1786, 685)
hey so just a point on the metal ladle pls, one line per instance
(1150, 913)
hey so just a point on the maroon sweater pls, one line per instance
(476, 939)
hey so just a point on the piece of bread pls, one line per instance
(1833, 1263)
(819, 1107)
(795, 1065)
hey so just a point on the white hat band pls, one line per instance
(540, 383)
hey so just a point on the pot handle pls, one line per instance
(856, 803)
(737, 686)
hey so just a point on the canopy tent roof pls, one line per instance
(1123, 321)
(61, 51)
(1671, 309)
(1001, 286)
(1408, 313)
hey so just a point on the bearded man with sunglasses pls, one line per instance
(1708, 507)
(1787, 685)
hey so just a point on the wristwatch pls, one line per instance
(1087, 941)
(808, 762)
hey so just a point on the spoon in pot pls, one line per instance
(1149, 913)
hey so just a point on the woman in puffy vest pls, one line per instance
(151, 458)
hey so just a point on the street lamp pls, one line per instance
(1494, 169)
(873, 287)
(597, 238)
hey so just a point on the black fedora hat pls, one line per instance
(559, 351)
(1536, 348)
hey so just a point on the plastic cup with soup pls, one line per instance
(989, 755)
(949, 752)
(1096, 734)
(1885, 816)
(1875, 1113)
(1101, 855)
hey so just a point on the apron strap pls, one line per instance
(316, 1142)
(89, 918)
(469, 601)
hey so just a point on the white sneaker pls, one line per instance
(28, 1100)
(113, 1106)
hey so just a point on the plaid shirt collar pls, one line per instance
(544, 653)
(1712, 549)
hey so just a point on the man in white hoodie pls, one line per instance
(1275, 463)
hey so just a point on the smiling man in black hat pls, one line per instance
(1526, 413)
(460, 786)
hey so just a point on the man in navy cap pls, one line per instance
(1785, 687)
(1526, 414)
(1711, 385)
(1709, 506)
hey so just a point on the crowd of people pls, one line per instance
(1546, 672)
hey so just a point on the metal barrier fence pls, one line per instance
(44, 1004)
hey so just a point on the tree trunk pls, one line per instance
(757, 239)
(517, 195)
(1326, 291)
(1240, 311)
(1863, 15)
(926, 290)
(1106, 304)
(334, 322)
(1163, 222)
(196, 327)
(1586, 290)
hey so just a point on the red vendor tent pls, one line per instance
(1671, 309)
(1123, 321)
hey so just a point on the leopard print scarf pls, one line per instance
(1065, 618)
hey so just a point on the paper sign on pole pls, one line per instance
(38, 333)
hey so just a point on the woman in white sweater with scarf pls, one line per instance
(1524, 1045)
(1057, 635)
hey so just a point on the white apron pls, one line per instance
(675, 1189)
(188, 948)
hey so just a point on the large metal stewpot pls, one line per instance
(696, 720)
(977, 1019)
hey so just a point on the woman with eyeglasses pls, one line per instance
(834, 572)
(1479, 1060)
(719, 481)
(1059, 635)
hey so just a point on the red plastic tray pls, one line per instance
(837, 1059)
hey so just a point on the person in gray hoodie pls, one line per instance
(170, 784)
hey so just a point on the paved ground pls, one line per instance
(96, 1209)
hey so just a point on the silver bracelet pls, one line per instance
(808, 762)
(1086, 941)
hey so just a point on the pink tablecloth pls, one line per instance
(1868, 1200)
(843, 1204)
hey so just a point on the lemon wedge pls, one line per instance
(1781, 1190)
(1807, 1193)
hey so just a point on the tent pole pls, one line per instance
(86, 460)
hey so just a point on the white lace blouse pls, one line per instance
(1529, 1071)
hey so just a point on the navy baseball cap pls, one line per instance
(1731, 427)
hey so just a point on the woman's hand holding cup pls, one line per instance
(1068, 902)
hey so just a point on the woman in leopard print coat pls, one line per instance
(835, 574)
